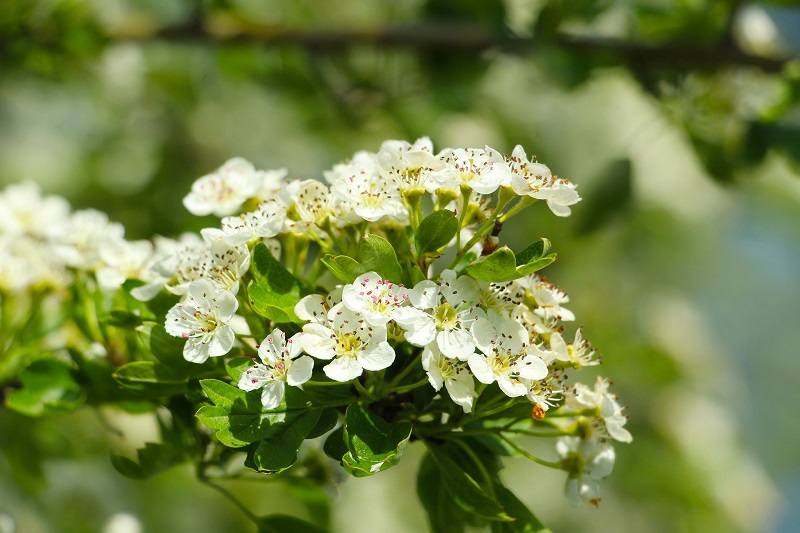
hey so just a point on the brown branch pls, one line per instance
(466, 39)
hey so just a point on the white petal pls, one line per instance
(377, 356)
(195, 352)
(300, 371)
(456, 344)
(510, 387)
(311, 308)
(272, 395)
(425, 295)
(421, 333)
(222, 342)
(484, 333)
(480, 367)
(228, 304)
(531, 367)
(461, 390)
(316, 341)
(343, 369)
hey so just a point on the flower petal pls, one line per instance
(343, 369)
(300, 371)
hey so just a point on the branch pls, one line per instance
(460, 39)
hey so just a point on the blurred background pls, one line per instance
(679, 120)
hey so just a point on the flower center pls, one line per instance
(445, 316)
(348, 345)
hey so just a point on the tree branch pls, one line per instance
(462, 39)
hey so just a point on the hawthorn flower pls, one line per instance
(483, 171)
(506, 357)
(266, 221)
(578, 353)
(174, 264)
(410, 166)
(376, 299)
(313, 203)
(587, 461)
(609, 410)
(122, 261)
(372, 197)
(444, 312)
(79, 241)
(548, 297)
(529, 178)
(452, 373)
(202, 319)
(349, 342)
(224, 191)
(24, 211)
(280, 366)
(502, 298)
(228, 264)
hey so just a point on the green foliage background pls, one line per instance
(678, 120)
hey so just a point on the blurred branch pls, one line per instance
(464, 39)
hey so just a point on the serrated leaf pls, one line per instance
(274, 291)
(122, 318)
(334, 446)
(524, 519)
(497, 266)
(239, 417)
(327, 421)
(238, 366)
(278, 523)
(278, 451)
(48, 387)
(435, 231)
(464, 490)
(151, 379)
(373, 444)
(444, 515)
(374, 254)
(502, 265)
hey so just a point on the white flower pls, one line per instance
(451, 373)
(349, 341)
(548, 297)
(281, 365)
(266, 221)
(24, 211)
(610, 412)
(174, 264)
(533, 179)
(313, 203)
(579, 353)
(506, 356)
(483, 171)
(443, 311)
(225, 190)
(410, 166)
(588, 461)
(372, 197)
(202, 319)
(502, 298)
(87, 232)
(228, 265)
(122, 261)
(376, 299)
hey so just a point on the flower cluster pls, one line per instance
(385, 284)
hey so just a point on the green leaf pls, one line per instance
(435, 231)
(524, 519)
(122, 318)
(279, 523)
(278, 451)
(503, 265)
(334, 446)
(239, 417)
(373, 444)
(238, 366)
(150, 378)
(327, 421)
(444, 515)
(169, 350)
(464, 490)
(274, 291)
(374, 253)
(48, 387)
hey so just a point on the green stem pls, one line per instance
(523, 203)
(527, 455)
(565, 414)
(201, 475)
(406, 388)
(407, 370)
(484, 230)
(362, 390)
